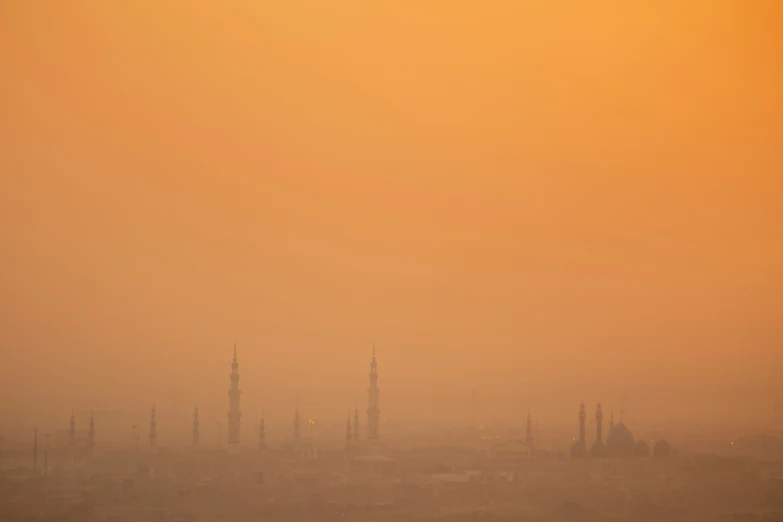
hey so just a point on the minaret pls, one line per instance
(262, 434)
(153, 429)
(195, 428)
(233, 402)
(72, 433)
(348, 433)
(599, 423)
(582, 424)
(529, 430)
(373, 413)
(91, 433)
(356, 424)
(611, 420)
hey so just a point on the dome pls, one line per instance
(662, 449)
(642, 449)
(620, 442)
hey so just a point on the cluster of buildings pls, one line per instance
(619, 443)
(300, 446)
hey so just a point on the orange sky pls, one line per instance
(547, 201)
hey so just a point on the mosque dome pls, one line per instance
(642, 449)
(620, 442)
(662, 449)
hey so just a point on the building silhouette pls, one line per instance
(234, 414)
(598, 446)
(578, 448)
(153, 429)
(373, 413)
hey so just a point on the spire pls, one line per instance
(153, 428)
(373, 412)
(196, 425)
(529, 430)
(234, 413)
(599, 421)
(582, 423)
(611, 420)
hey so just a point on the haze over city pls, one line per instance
(521, 205)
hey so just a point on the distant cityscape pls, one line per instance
(465, 473)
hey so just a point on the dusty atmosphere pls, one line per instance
(391, 261)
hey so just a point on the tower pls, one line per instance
(153, 429)
(195, 428)
(91, 434)
(356, 424)
(233, 402)
(262, 434)
(598, 448)
(529, 430)
(35, 448)
(599, 422)
(348, 433)
(582, 424)
(611, 420)
(373, 413)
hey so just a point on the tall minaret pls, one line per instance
(153, 429)
(348, 433)
(582, 424)
(91, 433)
(262, 434)
(72, 433)
(599, 424)
(611, 420)
(356, 424)
(373, 413)
(529, 430)
(196, 436)
(233, 402)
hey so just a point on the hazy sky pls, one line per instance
(546, 201)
